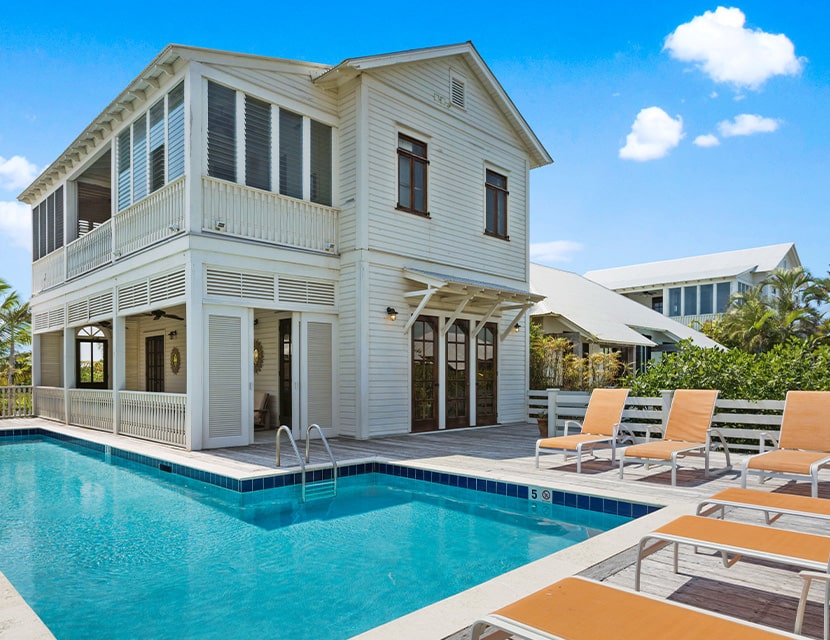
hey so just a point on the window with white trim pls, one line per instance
(496, 205)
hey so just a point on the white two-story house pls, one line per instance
(697, 289)
(350, 240)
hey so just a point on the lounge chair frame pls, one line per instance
(603, 441)
(693, 446)
(766, 474)
(591, 607)
(770, 504)
(657, 540)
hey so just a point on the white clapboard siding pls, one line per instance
(512, 372)
(347, 325)
(319, 364)
(347, 159)
(224, 376)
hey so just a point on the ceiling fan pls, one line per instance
(160, 313)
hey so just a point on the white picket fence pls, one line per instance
(15, 402)
(743, 422)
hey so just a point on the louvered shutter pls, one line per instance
(50, 223)
(320, 163)
(36, 233)
(59, 218)
(291, 154)
(42, 226)
(221, 132)
(157, 146)
(224, 376)
(319, 373)
(139, 159)
(175, 132)
(124, 169)
(257, 143)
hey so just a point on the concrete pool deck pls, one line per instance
(502, 453)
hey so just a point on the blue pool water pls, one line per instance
(105, 548)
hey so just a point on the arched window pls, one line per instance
(91, 361)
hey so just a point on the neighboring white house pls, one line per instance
(351, 240)
(696, 289)
(595, 318)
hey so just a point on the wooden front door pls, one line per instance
(285, 379)
(458, 380)
(425, 374)
(486, 374)
(154, 364)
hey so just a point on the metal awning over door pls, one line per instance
(481, 300)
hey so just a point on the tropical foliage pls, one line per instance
(15, 332)
(789, 304)
(796, 364)
(554, 365)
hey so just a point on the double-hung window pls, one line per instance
(496, 208)
(412, 175)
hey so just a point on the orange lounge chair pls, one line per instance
(804, 445)
(580, 609)
(773, 505)
(601, 427)
(688, 429)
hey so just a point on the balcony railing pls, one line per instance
(49, 271)
(151, 220)
(91, 408)
(159, 417)
(15, 402)
(696, 321)
(50, 403)
(241, 211)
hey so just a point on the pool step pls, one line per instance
(321, 488)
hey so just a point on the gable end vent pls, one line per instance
(457, 95)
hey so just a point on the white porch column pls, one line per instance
(194, 319)
(68, 368)
(119, 368)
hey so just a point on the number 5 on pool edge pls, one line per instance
(539, 494)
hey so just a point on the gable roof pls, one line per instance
(727, 264)
(352, 67)
(601, 314)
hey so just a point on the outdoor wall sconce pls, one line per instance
(391, 313)
(172, 334)
(516, 327)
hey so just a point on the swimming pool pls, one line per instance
(104, 547)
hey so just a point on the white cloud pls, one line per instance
(713, 95)
(746, 124)
(727, 52)
(707, 140)
(16, 223)
(16, 173)
(653, 134)
(556, 251)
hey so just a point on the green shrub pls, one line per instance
(738, 374)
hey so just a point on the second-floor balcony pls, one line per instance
(227, 208)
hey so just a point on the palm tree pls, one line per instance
(15, 328)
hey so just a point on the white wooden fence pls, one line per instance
(237, 210)
(159, 417)
(50, 402)
(742, 422)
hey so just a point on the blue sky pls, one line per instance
(677, 128)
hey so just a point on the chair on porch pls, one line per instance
(804, 446)
(262, 410)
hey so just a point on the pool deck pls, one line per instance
(751, 590)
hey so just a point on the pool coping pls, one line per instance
(447, 616)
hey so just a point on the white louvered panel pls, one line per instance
(457, 92)
(132, 295)
(224, 376)
(78, 311)
(40, 321)
(292, 290)
(305, 292)
(258, 286)
(100, 305)
(167, 286)
(223, 283)
(319, 373)
(56, 317)
(321, 293)
(51, 362)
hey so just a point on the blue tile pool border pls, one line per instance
(563, 498)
